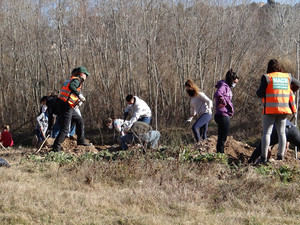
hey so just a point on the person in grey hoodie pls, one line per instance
(224, 107)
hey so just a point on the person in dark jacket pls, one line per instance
(292, 136)
(224, 107)
(64, 106)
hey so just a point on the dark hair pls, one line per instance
(129, 97)
(44, 98)
(274, 66)
(108, 120)
(76, 71)
(230, 77)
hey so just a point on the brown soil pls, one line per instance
(237, 150)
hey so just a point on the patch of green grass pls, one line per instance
(284, 172)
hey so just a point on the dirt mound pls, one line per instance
(239, 150)
(233, 148)
(69, 146)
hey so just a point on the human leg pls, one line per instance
(280, 122)
(64, 121)
(268, 122)
(201, 123)
(223, 130)
(145, 120)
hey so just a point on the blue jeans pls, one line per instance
(126, 139)
(200, 127)
(145, 119)
(152, 138)
(56, 129)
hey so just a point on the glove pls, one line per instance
(80, 103)
(188, 121)
(81, 97)
(48, 132)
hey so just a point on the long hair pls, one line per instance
(274, 66)
(190, 85)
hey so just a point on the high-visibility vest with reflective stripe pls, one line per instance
(292, 103)
(66, 94)
(278, 93)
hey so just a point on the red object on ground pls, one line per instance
(6, 139)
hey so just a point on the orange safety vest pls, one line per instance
(292, 103)
(278, 93)
(67, 95)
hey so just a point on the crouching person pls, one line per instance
(139, 132)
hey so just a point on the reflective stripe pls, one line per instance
(66, 95)
(277, 104)
(278, 95)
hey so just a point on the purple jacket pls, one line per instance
(223, 98)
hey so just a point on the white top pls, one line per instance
(119, 125)
(138, 109)
(42, 120)
(199, 105)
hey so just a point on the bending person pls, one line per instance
(292, 136)
(200, 107)
(139, 110)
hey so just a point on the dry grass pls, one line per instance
(143, 191)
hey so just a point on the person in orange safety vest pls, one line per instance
(69, 97)
(275, 90)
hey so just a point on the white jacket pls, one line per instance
(138, 109)
(199, 105)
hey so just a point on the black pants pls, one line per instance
(223, 130)
(292, 136)
(68, 115)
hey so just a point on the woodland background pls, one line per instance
(142, 47)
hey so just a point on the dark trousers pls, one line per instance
(68, 115)
(223, 130)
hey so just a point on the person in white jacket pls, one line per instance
(139, 110)
(201, 108)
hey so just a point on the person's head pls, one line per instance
(43, 100)
(130, 99)
(231, 78)
(109, 123)
(6, 127)
(274, 66)
(80, 72)
(191, 88)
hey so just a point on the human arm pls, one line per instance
(295, 84)
(207, 100)
(261, 91)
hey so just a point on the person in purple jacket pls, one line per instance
(224, 107)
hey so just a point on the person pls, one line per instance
(275, 92)
(72, 128)
(6, 137)
(64, 107)
(200, 106)
(140, 131)
(42, 121)
(224, 107)
(139, 109)
(292, 136)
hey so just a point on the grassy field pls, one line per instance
(154, 188)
